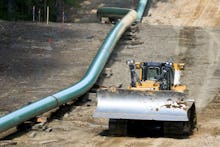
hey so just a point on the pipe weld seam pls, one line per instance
(56, 99)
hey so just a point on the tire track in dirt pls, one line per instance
(211, 80)
(202, 58)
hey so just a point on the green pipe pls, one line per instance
(120, 12)
(141, 8)
(112, 12)
(25, 113)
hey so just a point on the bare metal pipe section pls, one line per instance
(27, 112)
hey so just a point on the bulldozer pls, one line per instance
(155, 99)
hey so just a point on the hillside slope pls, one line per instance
(184, 12)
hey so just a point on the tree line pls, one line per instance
(23, 9)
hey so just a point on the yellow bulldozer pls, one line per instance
(155, 98)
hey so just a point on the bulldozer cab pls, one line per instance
(160, 74)
(151, 71)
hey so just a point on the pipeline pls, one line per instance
(120, 12)
(112, 12)
(141, 8)
(43, 105)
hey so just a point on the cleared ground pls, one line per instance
(37, 60)
(184, 12)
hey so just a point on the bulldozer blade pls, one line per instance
(139, 105)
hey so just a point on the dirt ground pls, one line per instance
(37, 60)
(184, 13)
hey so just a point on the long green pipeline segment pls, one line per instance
(120, 12)
(45, 104)
(17, 117)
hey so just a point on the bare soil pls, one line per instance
(37, 60)
(184, 13)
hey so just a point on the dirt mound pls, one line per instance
(184, 13)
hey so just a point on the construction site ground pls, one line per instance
(37, 60)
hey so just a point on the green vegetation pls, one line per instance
(72, 2)
(22, 9)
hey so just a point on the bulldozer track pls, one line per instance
(80, 129)
(122, 127)
(181, 128)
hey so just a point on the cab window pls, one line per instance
(152, 73)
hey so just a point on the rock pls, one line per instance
(42, 119)
(40, 126)
(48, 129)
(32, 134)
(107, 72)
(44, 128)
(66, 115)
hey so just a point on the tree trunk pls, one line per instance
(60, 8)
(45, 10)
(11, 9)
